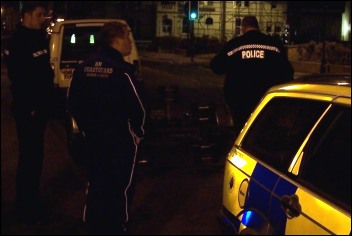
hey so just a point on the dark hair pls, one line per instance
(111, 30)
(30, 6)
(250, 21)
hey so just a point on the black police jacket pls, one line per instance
(104, 97)
(252, 63)
(28, 60)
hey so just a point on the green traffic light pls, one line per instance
(193, 10)
(193, 15)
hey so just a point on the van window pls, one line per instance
(326, 165)
(78, 42)
(280, 128)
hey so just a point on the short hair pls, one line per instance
(30, 6)
(250, 21)
(111, 30)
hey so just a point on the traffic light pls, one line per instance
(193, 10)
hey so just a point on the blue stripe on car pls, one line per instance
(278, 220)
(261, 185)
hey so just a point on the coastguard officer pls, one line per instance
(104, 98)
(252, 62)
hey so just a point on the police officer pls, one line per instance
(104, 98)
(28, 61)
(252, 62)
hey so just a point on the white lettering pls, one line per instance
(98, 63)
(247, 54)
(102, 72)
(39, 53)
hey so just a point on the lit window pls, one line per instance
(73, 38)
(91, 39)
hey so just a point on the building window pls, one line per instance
(238, 21)
(237, 31)
(273, 4)
(209, 21)
(167, 2)
(166, 24)
(238, 3)
(185, 25)
(208, 3)
(268, 27)
(246, 3)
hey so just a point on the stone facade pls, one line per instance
(220, 19)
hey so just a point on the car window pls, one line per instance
(78, 41)
(280, 128)
(326, 165)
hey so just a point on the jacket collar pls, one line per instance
(113, 53)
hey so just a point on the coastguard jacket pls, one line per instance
(252, 63)
(28, 61)
(104, 97)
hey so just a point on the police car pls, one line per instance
(289, 170)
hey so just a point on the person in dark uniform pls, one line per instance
(252, 62)
(28, 62)
(104, 99)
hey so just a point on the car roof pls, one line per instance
(331, 79)
(338, 85)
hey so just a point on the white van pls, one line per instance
(70, 42)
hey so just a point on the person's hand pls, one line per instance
(32, 113)
(138, 140)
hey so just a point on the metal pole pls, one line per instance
(223, 21)
(192, 39)
(323, 57)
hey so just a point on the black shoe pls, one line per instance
(33, 217)
(29, 220)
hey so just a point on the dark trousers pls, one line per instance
(30, 132)
(110, 188)
(239, 119)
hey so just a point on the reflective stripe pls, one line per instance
(140, 102)
(253, 46)
(132, 170)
